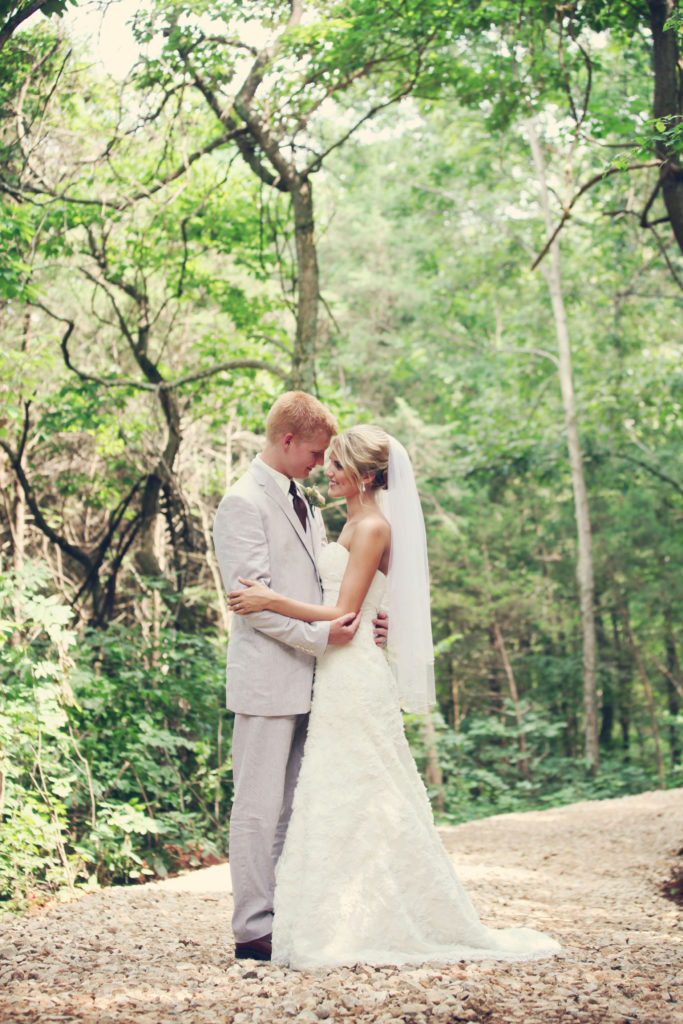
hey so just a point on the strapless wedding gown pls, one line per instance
(363, 876)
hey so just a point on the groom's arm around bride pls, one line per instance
(258, 535)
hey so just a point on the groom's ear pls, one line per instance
(287, 440)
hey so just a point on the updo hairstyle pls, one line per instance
(363, 450)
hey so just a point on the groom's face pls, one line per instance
(303, 454)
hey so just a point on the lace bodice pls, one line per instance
(332, 566)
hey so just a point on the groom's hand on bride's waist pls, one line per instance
(343, 629)
(381, 624)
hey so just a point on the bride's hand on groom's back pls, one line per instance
(343, 629)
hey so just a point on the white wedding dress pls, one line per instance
(363, 876)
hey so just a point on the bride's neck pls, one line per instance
(355, 508)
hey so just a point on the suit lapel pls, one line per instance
(273, 492)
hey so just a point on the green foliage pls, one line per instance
(140, 252)
(36, 772)
(481, 767)
(46, 7)
(16, 230)
(113, 749)
(443, 311)
(151, 726)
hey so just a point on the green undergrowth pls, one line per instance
(484, 773)
(115, 753)
(114, 749)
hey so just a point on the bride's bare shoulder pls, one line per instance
(373, 527)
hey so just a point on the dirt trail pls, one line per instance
(588, 874)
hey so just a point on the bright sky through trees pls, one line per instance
(104, 31)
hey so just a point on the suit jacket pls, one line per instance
(257, 535)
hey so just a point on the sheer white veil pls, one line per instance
(409, 644)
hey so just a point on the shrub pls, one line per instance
(113, 748)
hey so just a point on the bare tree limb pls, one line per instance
(578, 118)
(241, 134)
(165, 385)
(22, 136)
(595, 180)
(667, 259)
(26, 11)
(229, 364)
(671, 677)
(651, 469)
(315, 164)
(287, 349)
(143, 193)
(15, 459)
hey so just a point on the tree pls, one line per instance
(13, 15)
(145, 253)
(656, 23)
(553, 276)
(667, 108)
(426, 245)
(272, 105)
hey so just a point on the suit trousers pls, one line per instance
(266, 757)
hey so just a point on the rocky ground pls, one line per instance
(589, 874)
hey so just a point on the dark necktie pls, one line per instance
(299, 504)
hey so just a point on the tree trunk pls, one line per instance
(584, 572)
(303, 363)
(18, 527)
(18, 520)
(624, 700)
(608, 698)
(646, 686)
(433, 773)
(278, 170)
(499, 644)
(674, 688)
(668, 105)
(455, 688)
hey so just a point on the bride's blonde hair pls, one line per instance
(363, 450)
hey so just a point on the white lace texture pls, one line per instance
(364, 876)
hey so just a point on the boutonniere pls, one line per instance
(314, 497)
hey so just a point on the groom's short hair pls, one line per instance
(297, 412)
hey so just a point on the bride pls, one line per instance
(363, 876)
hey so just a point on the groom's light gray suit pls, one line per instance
(258, 535)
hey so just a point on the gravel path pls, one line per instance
(589, 874)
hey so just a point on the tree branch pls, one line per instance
(230, 364)
(166, 385)
(74, 552)
(595, 180)
(143, 193)
(662, 249)
(651, 469)
(579, 119)
(241, 135)
(287, 349)
(18, 112)
(22, 15)
(315, 164)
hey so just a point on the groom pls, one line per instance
(264, 530)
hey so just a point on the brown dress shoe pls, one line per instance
(255, 949)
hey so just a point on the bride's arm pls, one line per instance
(368, 544)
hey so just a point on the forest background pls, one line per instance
(462, 220)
